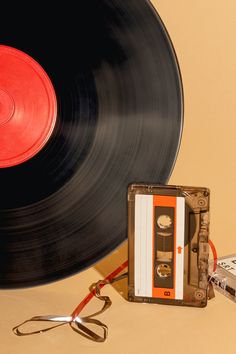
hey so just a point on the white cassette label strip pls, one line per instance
(179, 262)
(143, 246)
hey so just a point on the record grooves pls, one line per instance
(119, 120)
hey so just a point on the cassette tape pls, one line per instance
(224, 277)
(168, 233)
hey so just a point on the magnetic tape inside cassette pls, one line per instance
(168, 232)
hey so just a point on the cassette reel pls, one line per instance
(168, 232)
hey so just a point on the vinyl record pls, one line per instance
(90, 101)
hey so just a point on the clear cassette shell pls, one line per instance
(168, 233)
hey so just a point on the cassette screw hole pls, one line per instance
(201, 202)
(199, 295)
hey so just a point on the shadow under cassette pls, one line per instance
(90, 101)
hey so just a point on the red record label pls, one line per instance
(28, 107)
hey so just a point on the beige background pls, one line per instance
(203, 33)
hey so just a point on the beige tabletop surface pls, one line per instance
(203, 33)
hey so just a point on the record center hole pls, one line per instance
(7, 107)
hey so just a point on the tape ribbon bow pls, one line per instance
(76, 322)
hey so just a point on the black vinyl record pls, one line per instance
(119, 121)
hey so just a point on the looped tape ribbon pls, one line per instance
(76, 322)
